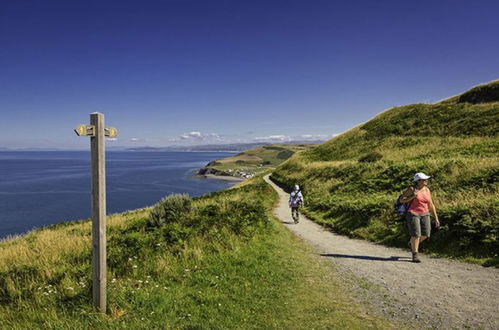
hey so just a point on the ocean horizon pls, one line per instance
(40, 188)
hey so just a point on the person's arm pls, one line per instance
(302, 199)
(408, 195)
(433, 210)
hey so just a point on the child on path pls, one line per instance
(295, 201)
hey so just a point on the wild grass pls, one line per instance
(351, 182)
(215, 262)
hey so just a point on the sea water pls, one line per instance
(46, 187)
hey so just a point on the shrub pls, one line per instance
(481, 94)
(285, 154)
(371, 157)
(176, 207)
(271, 147)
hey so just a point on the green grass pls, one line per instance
(351, 182)
(215, 262)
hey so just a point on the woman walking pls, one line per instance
(420, 206)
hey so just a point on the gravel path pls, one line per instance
(437, 293)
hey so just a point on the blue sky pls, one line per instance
(191, 72)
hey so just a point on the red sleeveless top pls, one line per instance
(419, 205)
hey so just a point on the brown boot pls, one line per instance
(415, 257)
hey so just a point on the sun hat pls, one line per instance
(421, 176)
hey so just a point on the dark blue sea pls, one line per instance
(42, 188)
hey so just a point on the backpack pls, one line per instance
(401, 208)
(295, 198)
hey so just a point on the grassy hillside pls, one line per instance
(351, 182)
(257, 160)
(215, 262)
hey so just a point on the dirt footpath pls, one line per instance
(437, 293)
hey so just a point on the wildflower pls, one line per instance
(140, 281)
(130, 259)
(134, 266)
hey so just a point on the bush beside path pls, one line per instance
(436, 293)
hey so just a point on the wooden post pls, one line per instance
(98, 133)
(99, 265)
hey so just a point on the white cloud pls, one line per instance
(137, 139)
(273, 138)
(315, 137)
(198, 136)
(191, 135)
(287, 138)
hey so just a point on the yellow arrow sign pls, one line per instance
(111, 132)
(84, 130)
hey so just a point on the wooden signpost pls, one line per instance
(98, 133)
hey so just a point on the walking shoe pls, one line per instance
(415, 257)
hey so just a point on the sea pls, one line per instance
(39, 188)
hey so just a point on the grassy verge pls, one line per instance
(215, 262)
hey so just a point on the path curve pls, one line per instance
(437, 292)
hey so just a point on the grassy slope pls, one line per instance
(352, 181)
(257, 160)
(224, 263)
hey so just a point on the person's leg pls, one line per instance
(414, 227)
(415, 243)
(425, 223)
(295, 214)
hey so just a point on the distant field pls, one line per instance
(256, 160)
